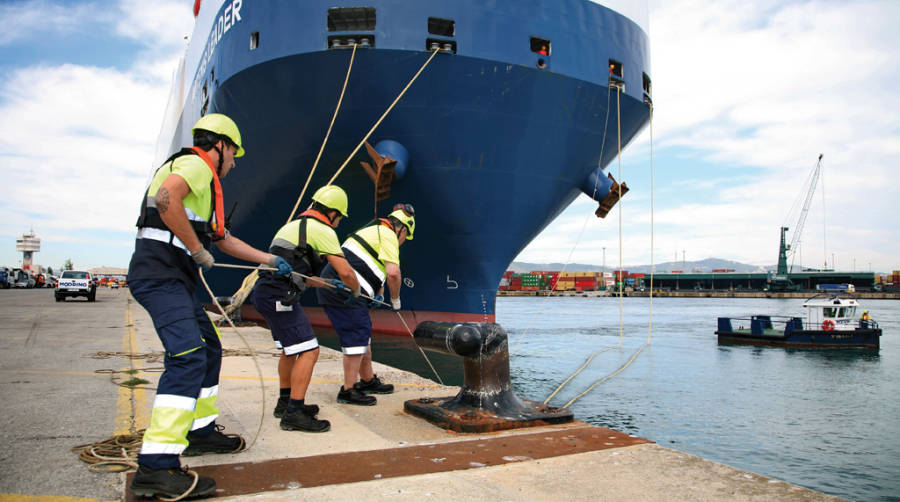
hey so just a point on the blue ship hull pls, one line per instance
(497, 146)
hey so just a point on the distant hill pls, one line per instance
(707, 265)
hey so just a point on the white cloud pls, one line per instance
(77, 142)
(38, 18)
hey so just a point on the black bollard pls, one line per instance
(486, 401)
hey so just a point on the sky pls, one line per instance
(746, 96)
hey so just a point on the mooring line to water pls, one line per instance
(420, 348)
(573, 375)
(621, 324)
(614, 373)
(580, 233)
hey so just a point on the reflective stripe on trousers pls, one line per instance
(188, 388)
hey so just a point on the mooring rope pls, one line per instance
(621, 284)
(584, 223)
(240, 296)
(262, 386)
(385, 114)
(247, 284)
(329, 285)
(327, 134)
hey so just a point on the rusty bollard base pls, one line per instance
(445, 413)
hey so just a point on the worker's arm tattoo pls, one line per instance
(162, 200)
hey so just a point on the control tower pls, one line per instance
(28, 244)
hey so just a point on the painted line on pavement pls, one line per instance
(132, 411)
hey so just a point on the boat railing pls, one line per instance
(764, 324)
(761, 324)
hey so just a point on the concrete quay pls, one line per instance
(54, 399)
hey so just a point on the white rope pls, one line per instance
(361, 143)
(262, 386)
(247, 284)
(587, 217)
(621, 323)
(327, 135)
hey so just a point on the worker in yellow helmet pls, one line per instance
(303, 242)
(181, 216)
(864, 319)
(374, 254)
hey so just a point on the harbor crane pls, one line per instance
(781, 280)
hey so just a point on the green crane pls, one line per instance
(781, 281)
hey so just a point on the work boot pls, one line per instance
(353, 396)
(373, 386)
(170, 483)
(282, 404)
(216, 442)
(299, 420)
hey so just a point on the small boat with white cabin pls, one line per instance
(831, 323)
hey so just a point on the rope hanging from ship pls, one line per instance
(240, 296)
(577, 240)
(620, 292)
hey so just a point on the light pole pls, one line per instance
(604, 263)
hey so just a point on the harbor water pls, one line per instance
(827, 420)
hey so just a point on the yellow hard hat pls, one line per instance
(222, 125)
(405, 214)
(333, 197)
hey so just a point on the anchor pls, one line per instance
(486, 401)
(611, 198)
(383, 173)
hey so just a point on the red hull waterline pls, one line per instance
(383, 321)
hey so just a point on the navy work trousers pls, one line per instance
(193, 358)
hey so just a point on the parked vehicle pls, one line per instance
(75, 283)
(4, 278)
(22, 279)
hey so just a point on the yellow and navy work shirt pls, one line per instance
(158, 254)
(319, 236)
(368, 264)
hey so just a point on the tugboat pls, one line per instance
(830, 323)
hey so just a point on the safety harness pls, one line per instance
(214, 230)
(363, 269)
(302, 258)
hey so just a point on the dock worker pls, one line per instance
(302, 242)
(864, 319)
(181, 216)
(374, 253)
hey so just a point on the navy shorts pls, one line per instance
(291, 329)
(353, 326)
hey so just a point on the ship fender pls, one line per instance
(486, 402)
(394, 150)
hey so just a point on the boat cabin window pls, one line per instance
(351, 19)
(441, 27)
(540, 46)
(829, 311)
